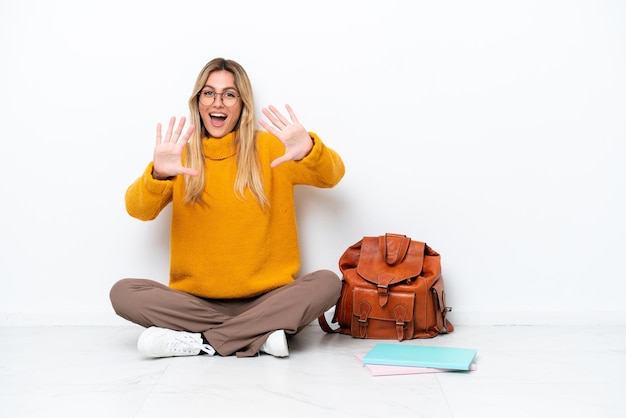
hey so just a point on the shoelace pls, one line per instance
(186, 343)
(207, 349)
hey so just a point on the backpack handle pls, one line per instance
(394, 247)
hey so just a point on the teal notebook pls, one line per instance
(420, 356)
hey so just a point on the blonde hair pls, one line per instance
(248, 168)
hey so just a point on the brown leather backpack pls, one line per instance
(392, 289)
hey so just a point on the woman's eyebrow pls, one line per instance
(225, 88)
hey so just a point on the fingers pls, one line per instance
(187, 135)
(172, 134)
(189, 172)
(292, 114)
(278, 161)
(158, 134)
(179, 129)
(277, 118)
(274, 116)
(269, 128)
(170, 127)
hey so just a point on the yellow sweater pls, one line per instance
(229, 247)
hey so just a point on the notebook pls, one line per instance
(452, 358)
(381, 370)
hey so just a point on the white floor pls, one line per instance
(93, 372)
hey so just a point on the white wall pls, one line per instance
(494, 131)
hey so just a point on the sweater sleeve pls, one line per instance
(146, 197)
(322, 167)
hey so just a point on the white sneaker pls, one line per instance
(276, 344)
(163, 342)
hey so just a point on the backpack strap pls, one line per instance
(363, 310)
(321, 320)
(400, 314)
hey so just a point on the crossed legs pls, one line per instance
(231, 326)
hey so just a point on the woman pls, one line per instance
(234, 244)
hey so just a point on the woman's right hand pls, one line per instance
(169, 150)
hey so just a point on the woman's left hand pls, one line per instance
(292, 134)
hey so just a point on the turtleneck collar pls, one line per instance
(219, 148)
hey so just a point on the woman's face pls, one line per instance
(220, 118)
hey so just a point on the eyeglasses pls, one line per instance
(207, 97)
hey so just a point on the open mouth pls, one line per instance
(218, 119)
